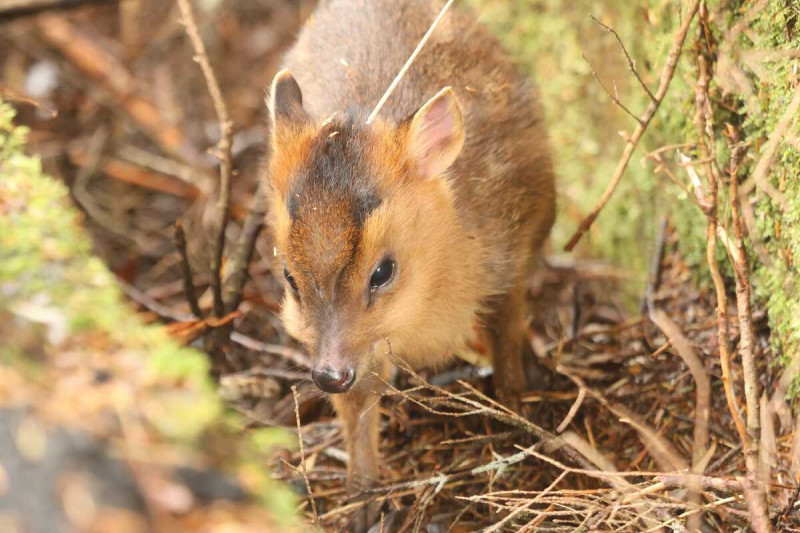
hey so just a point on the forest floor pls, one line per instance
(608, 438)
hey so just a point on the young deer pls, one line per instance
(397, 235)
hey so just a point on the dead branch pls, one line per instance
(129, 173)
(662, 450)
(303, 468)
(464, 405)
(706, 143)
(631, 64)
(614, 97)
(645, 118)
(409, 62)
(707, 482)
(754, 486)
(572, 411)
(186, 271)
(702, 410)
(253, 224)
(295, 356)
(10, 9)
(223, 153)
(16, 96)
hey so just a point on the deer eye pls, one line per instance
(290, 279)
(382, 274)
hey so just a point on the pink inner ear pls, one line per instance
(437, 130)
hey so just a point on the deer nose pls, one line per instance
(334, 381)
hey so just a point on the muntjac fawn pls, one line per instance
(396, 236)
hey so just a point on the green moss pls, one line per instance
(49, 277)
(778, 283)
(548, 38)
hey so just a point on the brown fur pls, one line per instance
(344, 194)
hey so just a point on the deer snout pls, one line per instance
(334, 381)
(334, 371)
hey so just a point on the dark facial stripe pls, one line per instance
(337, 170)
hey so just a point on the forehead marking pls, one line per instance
(338, 170)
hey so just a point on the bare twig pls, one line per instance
(253, 224)
(126, 172)
(486, 406)
(303, 470)
(705, 132)
(409, 62)
(186, 271)
(645, 118)
(10, 9)
(754, 486)
(572, 411)
(702, 411)
(14, 96)
(295, 356)
(614, 97)
(108, 72)
(223, 152)
(631, 64)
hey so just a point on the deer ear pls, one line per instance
(285, 101)
(436, 134)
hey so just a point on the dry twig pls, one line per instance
(705, 131)
(409, 62)
(186, 270)
(702, 410)
(754, 486)
(631, 64)
(303, 469)
(253, 224)
(223, 153)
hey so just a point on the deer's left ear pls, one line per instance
(436, 134)
(285, 102)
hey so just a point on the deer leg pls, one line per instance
(359, 413)
(506, 328)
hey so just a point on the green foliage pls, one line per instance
(548, 38)
(46, 265)
(775, 81)
(49, 278)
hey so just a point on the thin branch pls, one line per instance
(646, 117)
(303, 470)
(14, 96)
(408, 63)
(631, 64)
(702, 411)
(613, 97)
(572, 411)
(222, 151)
(754, 486)
(253, 224)
(186, 271)
(706, 143)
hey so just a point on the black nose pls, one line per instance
(334, 381)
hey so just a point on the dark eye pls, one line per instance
(382, 274)
(290, 279)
